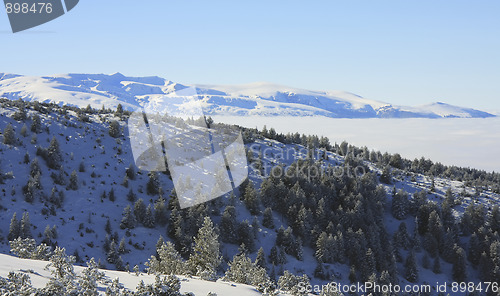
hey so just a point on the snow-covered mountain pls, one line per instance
(242, 100)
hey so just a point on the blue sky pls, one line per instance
(396, 51)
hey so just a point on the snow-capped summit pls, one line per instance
(260, 98)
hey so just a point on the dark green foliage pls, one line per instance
(111, 195)
(160, 210)
(36, 124)
(267, 219)
(14, 228)
(245, 236)
(9, 137)
(128, 219)
(114, 129)
(400, 205)
(386, 176)
(149, 218)
(459, 271)
(251, 199)
(140, 210)
(131, 195)
(73, 181)
(53, 154)
(153, 185)
(411, 269)
(228, 225)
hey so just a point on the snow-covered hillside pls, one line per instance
(241, 100)
(40, 276)
(82, 203)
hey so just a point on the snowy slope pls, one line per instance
(242, 100)
(81, 220)
(40, 277)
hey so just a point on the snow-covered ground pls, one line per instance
(461, 142)
(40, 277)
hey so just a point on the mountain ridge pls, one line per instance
(259, 98)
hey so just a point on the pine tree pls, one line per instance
(168, 262)
(14, 228)
(107, 228)
(130, 172)
(140, 210)
(411, 269)
(273, 256)
(9, 137)
(119, 109)
(114, 129)
(25, 231)
(161, 213)
(111, 195)
(89, 279)
(228, 225)
(243, 270)
(400, 205)
(494, 219)
(73, 181)
(459, 265)
(206, 254)
(54, 156)
(36, 124)
(386, 176)
(112, 255)
(128, 220)
(63, 273)
(260, 260)
(245, 235)
(290, 283)
(153, 184)
(267, 219)
(149, 218)
(250, 198)
(131, 195)
(35, 168)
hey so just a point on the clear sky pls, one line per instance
(402, 52)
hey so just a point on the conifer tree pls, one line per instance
(205, 258)
(168, 262)
(245, 235)
(411, 269)
(267, 219)
(459, 265)
(25, 231)
(400, 205)
(14, 228)
(260, 260)
(149, 218)
(153, 184)
(128, 219)
(140, 210)
(73, 181)
(54, 156)
(160, 210)
(114, 129)
(36, 124)
(228, 225)
(251, 199)
(9, 137)
(131, 195)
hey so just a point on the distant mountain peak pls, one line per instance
(258, 98)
